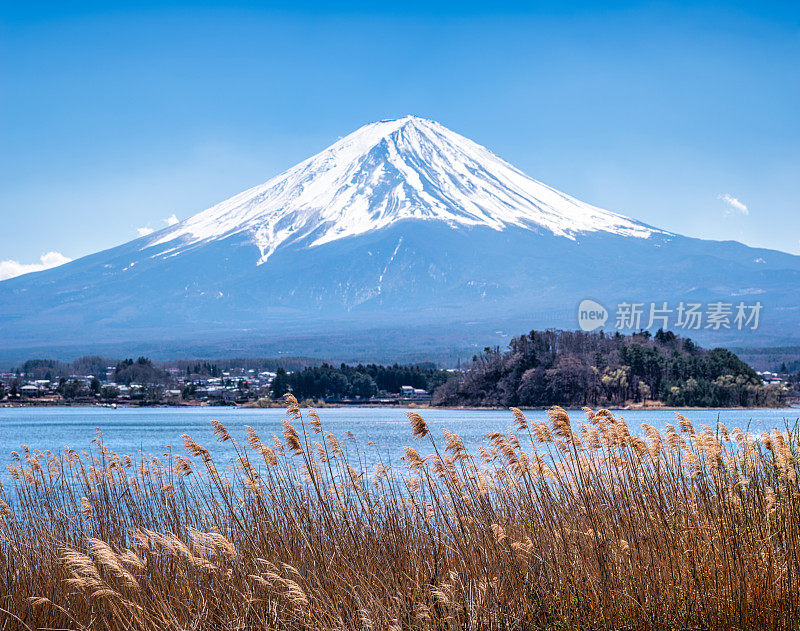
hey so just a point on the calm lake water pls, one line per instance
(157, 430)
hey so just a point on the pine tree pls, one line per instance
(280, 383)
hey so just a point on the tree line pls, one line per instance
(215, 368)
(53, 369)
(332, 383)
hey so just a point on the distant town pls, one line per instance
(96, 381)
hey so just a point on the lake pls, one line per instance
(154, 430)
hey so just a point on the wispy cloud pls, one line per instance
(734, 205)
(10, 268)
(170, 221)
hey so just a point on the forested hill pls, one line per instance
(572, 368)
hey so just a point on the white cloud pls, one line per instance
(733, 204)
(170, 221)
(10, 269)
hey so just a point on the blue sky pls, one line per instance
(685, 116)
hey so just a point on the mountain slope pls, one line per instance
(401, 225)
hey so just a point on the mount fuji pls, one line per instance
(402, 233)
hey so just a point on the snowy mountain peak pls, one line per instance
(408, 168)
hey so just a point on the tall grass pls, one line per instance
(560, 524)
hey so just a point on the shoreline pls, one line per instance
(409, 405)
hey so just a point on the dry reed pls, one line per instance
(557, 525)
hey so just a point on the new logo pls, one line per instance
(591, 315)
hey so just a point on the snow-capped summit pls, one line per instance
(389, 171)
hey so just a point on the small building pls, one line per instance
(30, 390)
(410, 393)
